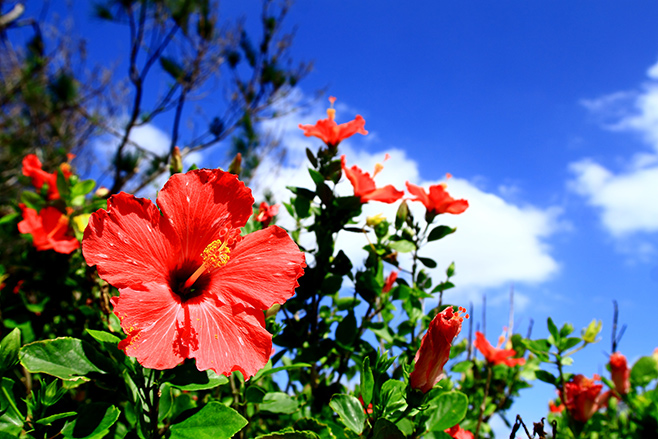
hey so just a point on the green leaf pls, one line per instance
(188, 377)
(385, 429)
(93, 422)
(9, 348)
(553, 330)
(32, 200)
(440, 232)
(302, 206)
(429, 263)
(66, 358)
(279, 402)
(402, 246)
(9, 217)
(310, 424)
(255, 394)
(11, 419)
(644, 371)
(316, 176)
(367, 382)
(546, 377)
(213, 421)
(446, 410)
(83, 187)
(350, 411)
(288, 433)
(172, 67)
(62, 184)
(270, 370)
(566, 330)
(346, 331)
(568, 343)
(50, 419)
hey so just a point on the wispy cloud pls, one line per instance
(627, 199)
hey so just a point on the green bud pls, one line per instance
(590, 333)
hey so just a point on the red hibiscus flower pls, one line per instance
(190, 286)
(330, 132)
(364, 185)
(434, 349)
(620, 373)
(266, 213)
(495, 355)
(457, 432)
(49, 229)
(438, 200)
(32, 168)
(390, 280)
(582, 397)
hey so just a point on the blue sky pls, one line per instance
(545, 112)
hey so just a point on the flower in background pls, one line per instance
(49, 229)
(190, 286)
(457, 432)
(330, 132)
(266, 213)
(555, 408)
(620, 373)
(32, 168)
(438, 200)
(582, 397)
(390, 280)
(434, 349)
(364, 185)
(495, 355)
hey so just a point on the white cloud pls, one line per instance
(628, 199)
(497, 242)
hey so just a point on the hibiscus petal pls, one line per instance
(130, 243)
(263, 270)
(226, 339)
(386, 194)
(154, 322)
(420, 194)
(202, 202)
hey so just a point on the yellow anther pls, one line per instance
(216, 254)
(331, 112)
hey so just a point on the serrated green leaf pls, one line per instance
(350, 411)
(213, 421)
(447, 410)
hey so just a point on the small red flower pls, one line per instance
(190, 286)
(434, 349)
(495, 355)
(620, 373)
(364, 185)
(457, 432)
(390, 280)
(266, 213)
(438, 200)
(582, 397)
(49, 229)
(32, 168)
(330, 132)
(555, 408)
